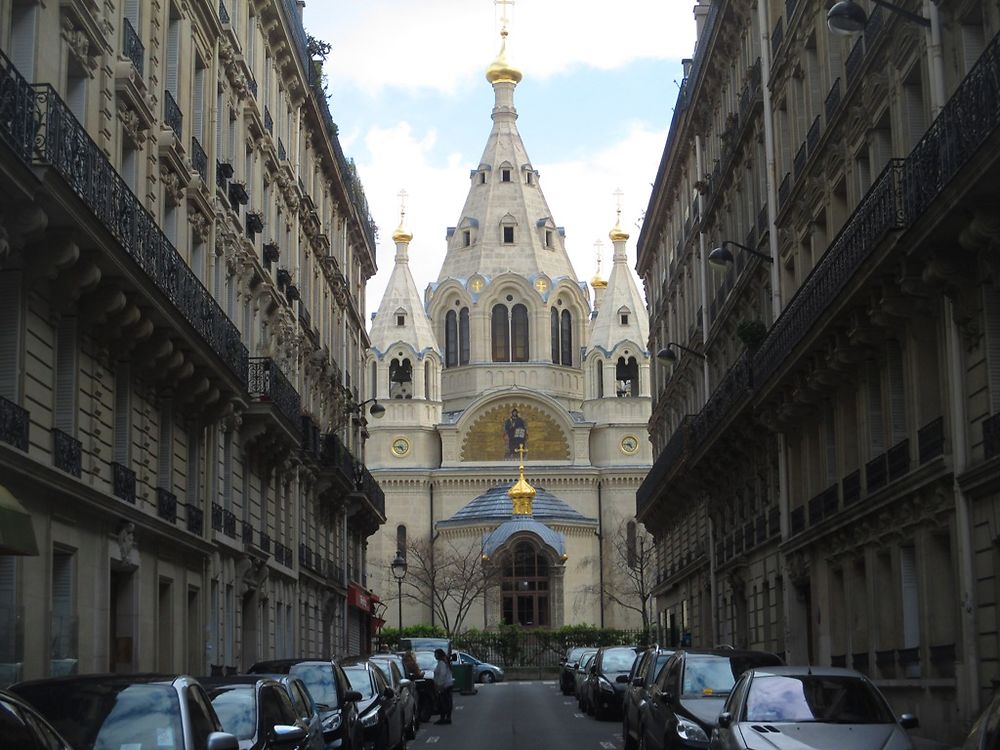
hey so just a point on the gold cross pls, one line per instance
(503, 12)
(403, 195)
(522, 450)
(476, 285)
(541, 285)
(618, 195)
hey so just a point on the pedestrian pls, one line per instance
(443, 682)
(413, 670)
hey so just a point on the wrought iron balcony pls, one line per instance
(812, 137)
(338, 458)
(292, 293)
(223, 172)
(40, 128)
(247, 532)
(238, 195)
(166, 505)
(898, 458)
(172, 114)
(832, 101)
(265, 541)
(800, 159)
(281, 151)
(271, 253)
(67, 453)
(14, 422)
(199, 159)
(855, 57)
(123, 482)
(223, 13)
(930, 440)
(229, 524)
(252, 85)
(268, 384)
(668, 460)
(783, 190)
(777, 36)
(268, 122)
(255, 223)
(852, 487)
(195, 519)
(216, 517)
(876, 473)
(132, 46)
(284, 278)
(790, 8)
(304, 317)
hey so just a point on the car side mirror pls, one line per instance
(576, 665)
(909, 721)
(454, 657)
(222, 741)
(389, 694)
(405, 683)
(725, 720)
(352, 696)
(637, 682)
(668, 697)
(623, 678)
(288, 734)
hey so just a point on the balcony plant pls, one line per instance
(752, 333)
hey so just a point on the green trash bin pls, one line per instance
(463, 678)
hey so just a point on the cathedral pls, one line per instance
(516, 402)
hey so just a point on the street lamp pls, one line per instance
(847, 17)
(721, 257)
(668, 356)
(377, 410)
(399, 573)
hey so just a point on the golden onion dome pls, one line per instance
(521, 495)
(401, 234)
(598, 283)
(500, 71)
(618, 234)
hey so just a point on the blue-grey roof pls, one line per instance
(495, 505)
(523, 524)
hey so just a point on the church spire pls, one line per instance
(401, 236)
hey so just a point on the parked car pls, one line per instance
(305, 707)
(22, 727)
(392, 669)
(580, 676)
(818, 707)
(481, 671)
(257, 710)
(380, 708)
(684, 703)
(567, 669)
(128, 711)
(424, 685)
(425, 644)
(335, 700)
(608, 678)
(985, 733)
(426, 661)
(644, 673)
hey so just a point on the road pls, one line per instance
(519, 716)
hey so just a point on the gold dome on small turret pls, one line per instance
(598, 283)
(500, 71)
(618, 234)
(401, 234)
(521, 494)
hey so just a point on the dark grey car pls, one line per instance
(21, 726)
(644, 673)
(257, 710)
(608, 677)
(392, 669)
(379, 708)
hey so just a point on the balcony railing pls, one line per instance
(223, 13)
(268, 122)
(854, 59)
(876, 473)
(40, 128)
(199, 159)
(778, 35)
(132, 47)
(252, 86)
(281, 151)
(195, 519)
(67, 453)
(832, 101)
(783, 189)
(247, 532)
(14, 422)
(172, 114)
(762, 223)
(663, 468)
(123, 482)
(229, 524)
(166, 505)
(265, 541)
(800, 159)
(216, 517)
(852, 487)
(812, 137)
(268, 384)
(899, 460)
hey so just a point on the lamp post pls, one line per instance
(847, 17)
(399, 573)
(721, 257)
(376, 410)
(668, 356)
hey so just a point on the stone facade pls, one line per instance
(183, 255)
(826, 473)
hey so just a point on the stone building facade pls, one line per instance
(508, 349)
(826, 481)
(183, 256)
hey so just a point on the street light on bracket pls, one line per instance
(398, 568)
(721, 257)
(668, 356)
(847, 17)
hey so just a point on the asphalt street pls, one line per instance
(520, 716)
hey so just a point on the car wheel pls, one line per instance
(630, 743)
(402, 736)
(410, 731)
(487, 677)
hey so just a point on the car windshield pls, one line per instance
(707, 676)
(618, 660)
(360, 681)
(811, 698)
(237, 709)
(319, 679)
(425, 659)
(110, 717)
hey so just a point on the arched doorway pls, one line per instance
(525, 592)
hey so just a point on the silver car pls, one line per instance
(392, 669)
(809, 707)
(481, 671)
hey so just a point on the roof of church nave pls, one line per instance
(496, 505)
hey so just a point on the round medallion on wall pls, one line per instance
(400, 447)
(630, 445)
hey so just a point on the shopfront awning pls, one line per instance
(17, 534)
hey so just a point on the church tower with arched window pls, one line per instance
(525, 375)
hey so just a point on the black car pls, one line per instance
(380, 709)
(128, 711)
(607, 679)
(567, 669)
(257, 710)
(985, 733)
(392, 669)
(683, 704)
(580, 677)
(21, 726)
(644, 673)
(332, 693)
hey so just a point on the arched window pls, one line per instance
(400, 379)
(519, 333)
(600, 378)
(463, 336)
(566, 335)
(554, 327)
(401, 540)
(451, 339)
(500, 329)
(525, 588)
(627, 375)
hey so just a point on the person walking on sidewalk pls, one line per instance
(443, 682)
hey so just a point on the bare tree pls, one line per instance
(447, 576)
(629, 569)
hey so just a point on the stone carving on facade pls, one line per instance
(173, 188)
(251, 573)
(124, 551)
(78, 42)
(201, 224)
(132, 125)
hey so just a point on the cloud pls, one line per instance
(442, 44)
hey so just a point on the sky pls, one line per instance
(408, 93)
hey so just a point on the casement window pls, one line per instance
(23, 38)
(509, 329)
(561, 326)
(457, 338)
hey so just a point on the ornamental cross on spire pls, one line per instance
(599, 252)
(403, 195)
(503, 13)
(521, 450)
(618, 196)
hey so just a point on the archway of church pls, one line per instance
(530, 586)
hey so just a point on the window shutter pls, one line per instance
(910, 597)
(173, 55)
(165, 453)
(198, 105)
(876, 422)
(991, 309)
(972, 44)
(132, 12)
(66, 376)
(10, 334)
(896, 392)
(24, 23)
(123, 415)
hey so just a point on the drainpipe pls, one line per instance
(430, 490)
(702, 267)
(935, 58)
(769, 156)
(600, 546)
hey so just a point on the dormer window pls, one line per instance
(482, 178)
(548, 238)
(400, 317)
(466, 238)
(508, 235)
(624, 319)
(504, 175)
(623, 315)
